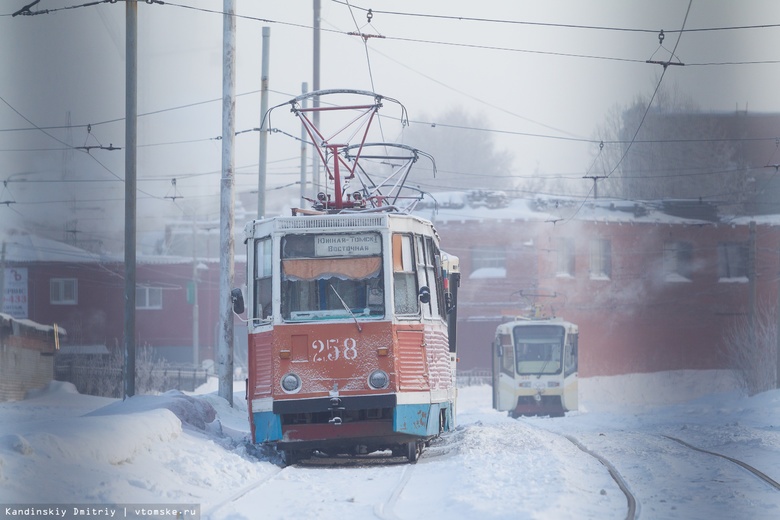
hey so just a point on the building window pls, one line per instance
(600, 259)
(565, 260)
(732, 260)
(678, 261)
(148, 297)
(488, 262)
(63, 291)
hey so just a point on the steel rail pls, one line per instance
(744, 465)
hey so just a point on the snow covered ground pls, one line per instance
(60, 448)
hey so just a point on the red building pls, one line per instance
(650, 291)
(84, 293)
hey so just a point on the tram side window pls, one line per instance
(426, 266)
(404, 276)
(570, 361)
(263, 271)
(507, 354)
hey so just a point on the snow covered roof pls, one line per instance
(23, 247)
(33, 325)
(454, 207)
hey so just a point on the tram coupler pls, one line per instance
(335, 407)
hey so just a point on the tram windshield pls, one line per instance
(538, 349)
(332, 277)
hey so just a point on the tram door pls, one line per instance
(504, 397)
(570, 372)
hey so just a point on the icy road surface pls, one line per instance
(58, 446)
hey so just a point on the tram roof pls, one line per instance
(530, 322)
(352, 221)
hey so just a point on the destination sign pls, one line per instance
(363, 244)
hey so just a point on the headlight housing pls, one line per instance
(378, 380)
(291, 383)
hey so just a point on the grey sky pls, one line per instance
(536, 85)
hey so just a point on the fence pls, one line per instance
(474, 377)
(107, 381)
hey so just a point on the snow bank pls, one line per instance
(192, 412)
(654, 389)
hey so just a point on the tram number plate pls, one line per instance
(334, 349)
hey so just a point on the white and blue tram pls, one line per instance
(535, 367)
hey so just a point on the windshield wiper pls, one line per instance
(346, 308)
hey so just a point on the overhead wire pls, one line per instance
(644, 115)
(461, 18)
(634, 139)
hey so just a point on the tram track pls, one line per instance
(633, 505)
(631, 502)
(240, 493)
(758, 474)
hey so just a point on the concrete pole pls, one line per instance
(777, 311)
(752, 284)
(315, 175)
(195, 309)
(304, 90)
(227, 196)
(131, 114)
(263, 161)
(2, 278)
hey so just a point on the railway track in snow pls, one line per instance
(444, 446)
(240, 493)
(631, 502)
(759, 474)
(633, 505)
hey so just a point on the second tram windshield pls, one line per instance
(332, 276)
(538, 349)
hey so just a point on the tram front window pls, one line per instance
(320, 286)
(538, 349)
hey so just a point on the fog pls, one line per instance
(539, 79)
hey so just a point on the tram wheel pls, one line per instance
(292, 457)
(412, 451)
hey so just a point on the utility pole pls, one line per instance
(752, 286)
(304, 90)
(263, 161)
(595, 183)
(131, 113)
(777, 367)
(2, 278)
(227, 197)
(315, 174)
(195, 309)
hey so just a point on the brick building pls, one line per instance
(26, 356)
(650, 291)
(652, 287)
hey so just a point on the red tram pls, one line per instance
(352, 311)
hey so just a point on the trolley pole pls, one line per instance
(131, 113)
(227, 196)
(263, 160)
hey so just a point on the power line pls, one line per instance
(556, 25)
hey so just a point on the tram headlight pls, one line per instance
(291, 383)
(378, 379)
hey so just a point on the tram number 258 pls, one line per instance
(334, 349)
